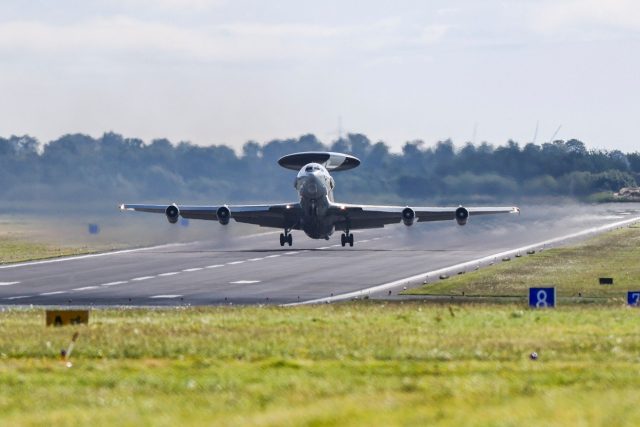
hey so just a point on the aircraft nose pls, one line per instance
(312, 186)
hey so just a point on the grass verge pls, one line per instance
(14, 249)
(574, 271)
(349, 364)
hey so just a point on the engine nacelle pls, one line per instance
(173, 213)
(224, 215)
(408, 216)
(462, 215)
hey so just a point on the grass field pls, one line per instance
(350, 364)
(574, 271)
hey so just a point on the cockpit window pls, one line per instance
(312, 168)
(308, 169)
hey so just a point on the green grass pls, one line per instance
(13, 249)
(574, 271)
(350, 364)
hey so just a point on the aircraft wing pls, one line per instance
(350, 216)
(283, 216)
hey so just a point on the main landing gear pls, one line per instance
(346, 238)
(286, 238)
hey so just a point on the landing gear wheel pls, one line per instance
(351, 240)
(282, 239)
(343, 239)
(289, 239)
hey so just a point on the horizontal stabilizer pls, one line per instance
(331, 161)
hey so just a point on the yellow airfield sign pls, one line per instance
(67, 317)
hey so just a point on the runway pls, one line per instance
(254, 269)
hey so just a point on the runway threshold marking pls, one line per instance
(472, 263)
(244, 282)
(165, 296)
(8, 283)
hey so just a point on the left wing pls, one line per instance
(285, 216)
(349, 216)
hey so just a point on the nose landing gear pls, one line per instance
(346, 238)
(286, 237)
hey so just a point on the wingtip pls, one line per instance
(516, 210)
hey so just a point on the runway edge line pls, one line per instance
(418, 277)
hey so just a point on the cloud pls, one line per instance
(242, 41)
(586, 19)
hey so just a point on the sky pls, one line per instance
(226, 72)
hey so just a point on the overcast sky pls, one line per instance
(217, 71)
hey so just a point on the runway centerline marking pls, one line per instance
(44, 294)
(235, 262)
(272, 256)
(18, 297)
(86, 288)
(165, 296)
(140, 279)
(291, 253)
(255, 259)
(215, 266)
(8, 283)
(244, 282)
(121, 282)
(189, 270)
(324, 247)
(171, 273)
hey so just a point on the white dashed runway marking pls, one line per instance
(18, 297)
(8, 283)
(171, 273)
(189, 270)
(86, 288)
(121, 282)
(165, 296)
(139, 279)
(215, 266)
(44, 294)
(235, 262)
(244, 282)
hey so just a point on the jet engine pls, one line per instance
(224, 215)
(462, 215)
(173, 213)
(408, 216)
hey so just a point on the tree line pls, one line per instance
(77, 168)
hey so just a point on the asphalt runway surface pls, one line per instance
(254, 269)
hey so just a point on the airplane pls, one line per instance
(317, 213)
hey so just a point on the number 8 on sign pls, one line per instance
(542, 297)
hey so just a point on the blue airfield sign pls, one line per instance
(542, 297)
(633, 298)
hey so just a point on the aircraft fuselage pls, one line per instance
(315, 188)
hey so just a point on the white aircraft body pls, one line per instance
(317, 214)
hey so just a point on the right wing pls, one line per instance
(286, 215)
(352, 217)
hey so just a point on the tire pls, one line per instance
(343, 239)
(289, 239)
(281, 239)
(351, 240)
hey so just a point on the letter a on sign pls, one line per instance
(542, 297)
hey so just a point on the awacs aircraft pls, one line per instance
(317, 214)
